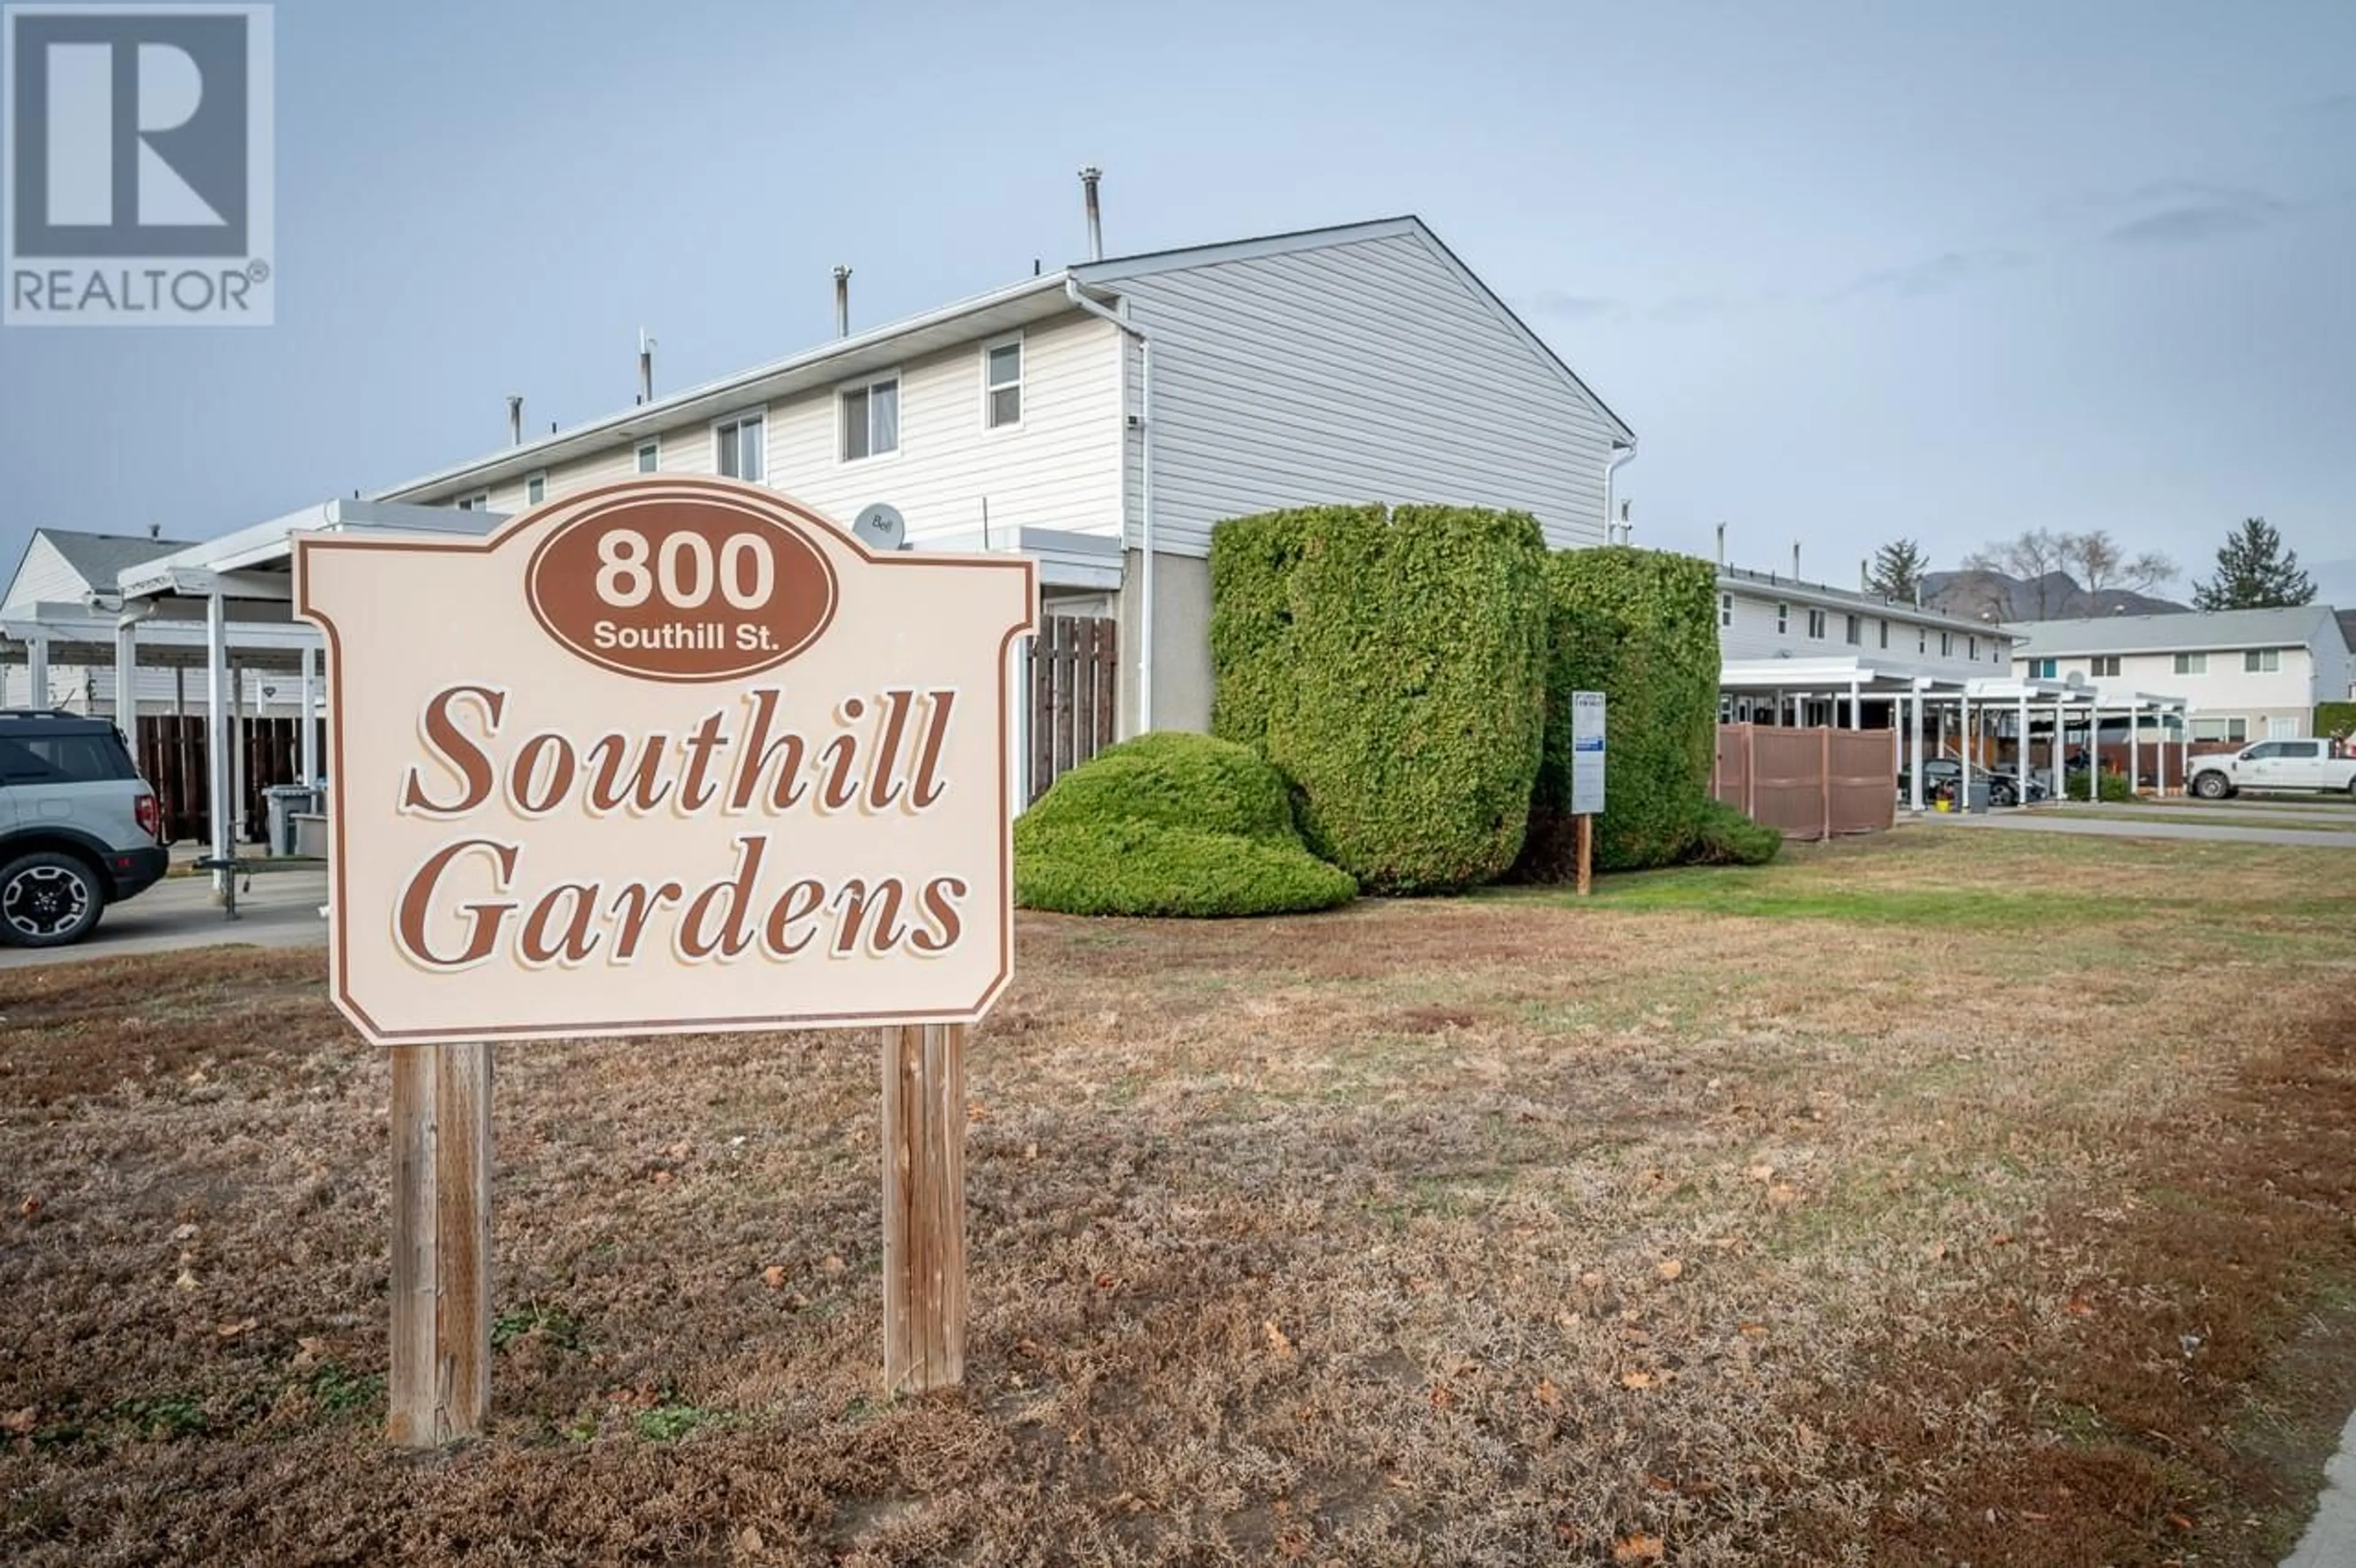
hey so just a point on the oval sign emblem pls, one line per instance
(672, 588)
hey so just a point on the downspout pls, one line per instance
(1620, 455)
(1094, 306)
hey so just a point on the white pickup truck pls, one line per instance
(2275, 764)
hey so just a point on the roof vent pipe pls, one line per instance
(1864, 577)
(842, 302)
(1795, 560)
(646, 367)
(1088, 178)
(1721, 547)
(514, 419)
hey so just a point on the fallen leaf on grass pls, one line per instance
(1670, 1268)
(1276, 1340)
(19, 1421)
(30, 1207)
(1638, 1380)
(1638, 1549)
(1591, 1280)
(748, 1539)
(1106, 1281)
(663, 1178)
(1546, 1394)
(2078, 1304)
(308, 1350)
(1442, 1396)
(773, 1277)
(830, 1264)
(1759, 1172)
(1753, 1329)
(232, 1331)
(1783, 1194)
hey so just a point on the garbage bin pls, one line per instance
(1978, 804)
(284, 802)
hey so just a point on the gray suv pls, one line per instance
(77, 827)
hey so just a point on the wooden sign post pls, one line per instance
(686, 757)
(1587, 754)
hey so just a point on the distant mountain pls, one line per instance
(2056, 596)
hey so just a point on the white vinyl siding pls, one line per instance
(45, 577)
(1368, 370)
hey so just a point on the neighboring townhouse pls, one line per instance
(2248, 675)
(1802, 653)
(1104, 417)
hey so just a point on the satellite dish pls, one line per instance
(881, 527)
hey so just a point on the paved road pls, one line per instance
(2060, 819)
(283, 911)
(2331, 1538)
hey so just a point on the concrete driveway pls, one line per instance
(2322, 827)
(283, 911)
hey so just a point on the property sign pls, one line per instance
(671, 755)
(1586, 753)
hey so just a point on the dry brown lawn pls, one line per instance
(1934, 1199)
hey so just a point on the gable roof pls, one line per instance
(99, 558)
(999, 311)
(1111, 272)
(2190, 631)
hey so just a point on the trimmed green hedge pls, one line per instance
(1723, 836)
(1641, 626)
(2111, 787)
(1170, 823)
(2335, 719)
(1391, 666)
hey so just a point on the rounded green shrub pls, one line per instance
(1171, 824)
(1390, 665)
(1723, 836)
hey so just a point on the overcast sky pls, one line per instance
(1851, 270)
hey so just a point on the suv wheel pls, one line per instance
(48, 899)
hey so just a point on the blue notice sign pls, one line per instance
(1586, 753)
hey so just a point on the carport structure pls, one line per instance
(241, 589)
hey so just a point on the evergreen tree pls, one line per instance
(2254, 572)
(1898, 568)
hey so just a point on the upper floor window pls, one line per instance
(1001, 384)
(1855, 631)
(1885, 632)
(2044, 669)
(535, 488)
(737, 447)
(1947, 644)
(1816, 622)
(1972, 649)
(1726, 609)
(1782, 619)
(2103, 665)
(649, 455)
(2192, 663)
(2262, 660)
(871, 419)
(480, 501)
(1921, 639)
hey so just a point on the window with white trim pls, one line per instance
(480, 501)
(2233, 729)
(2261, 661)
(737, 447)
(649, 455)
(1947, 644)
(871, 419)
(1817, 623)
(1885, 632)
(2044, 669)
(1726, 610)
(535, 488)
(2103, 666)
(1783, 620)
(1855, 631)
(2192, 663)
(1002, 383)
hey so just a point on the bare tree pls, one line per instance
(2033, 559)
(2100, 566)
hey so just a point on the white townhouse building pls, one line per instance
(1802, 653)
(1103, 416)
(2248, 675)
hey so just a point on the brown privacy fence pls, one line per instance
(1808, 783)
(1074, 683)
(172, 757)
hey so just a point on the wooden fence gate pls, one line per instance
(1074, 693)
(172, 757)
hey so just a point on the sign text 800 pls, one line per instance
(685, 568)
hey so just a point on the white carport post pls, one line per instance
(2021, 762)
(218, 789)
(2053, 751)
(308, 740)
(1914, 743)
(37, 669)
(2094, 747)
(126, 683)
(1854, 720)
(2135, 740)
(1963, 784)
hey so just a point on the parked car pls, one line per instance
(2275, 764)
(77, 827)
(1942, 776)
